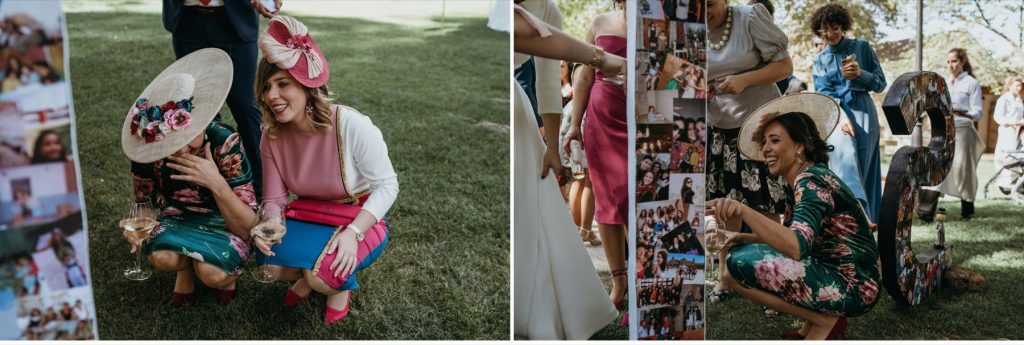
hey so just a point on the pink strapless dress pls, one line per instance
(605, 141)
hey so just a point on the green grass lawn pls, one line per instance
(434, 94)
(991, 244)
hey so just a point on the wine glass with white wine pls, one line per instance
(270, 228)
(139, 223)
(714, 241)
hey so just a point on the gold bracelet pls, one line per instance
(598, 60)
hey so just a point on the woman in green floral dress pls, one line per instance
(196, 172)
(822, 265)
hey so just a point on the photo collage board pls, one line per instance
(45, 291)
(670, 153)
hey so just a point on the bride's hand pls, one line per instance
(550, 162)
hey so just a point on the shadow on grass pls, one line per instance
(445, 274)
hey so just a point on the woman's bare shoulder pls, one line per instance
(608, 18)
(609, 23)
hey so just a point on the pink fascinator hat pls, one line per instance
(288, 45)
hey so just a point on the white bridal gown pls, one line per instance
(558, 294)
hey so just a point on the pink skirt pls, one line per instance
(605, 142)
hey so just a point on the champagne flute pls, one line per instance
(140, 221)
(271, 227)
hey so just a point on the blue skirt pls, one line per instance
(302, 244)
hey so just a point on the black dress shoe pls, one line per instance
(966, 209)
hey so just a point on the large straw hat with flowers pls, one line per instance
(822, 109)
(177, 105)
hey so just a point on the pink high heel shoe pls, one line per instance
(332, 315)
(290, 298)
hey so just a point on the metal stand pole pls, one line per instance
(917, 137)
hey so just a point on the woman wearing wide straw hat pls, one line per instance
(324, 153)
(194, 169)
(823, 264)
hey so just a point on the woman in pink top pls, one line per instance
(318, 150)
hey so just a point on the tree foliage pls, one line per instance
(988, 70)
(1004, 18)
(794, 17)
(577, 14)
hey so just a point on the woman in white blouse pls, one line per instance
(965, 97)
(1009, 115)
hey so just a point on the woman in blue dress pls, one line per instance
(847, 69)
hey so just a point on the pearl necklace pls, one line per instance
(728, 30)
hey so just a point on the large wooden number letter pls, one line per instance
(907, 277)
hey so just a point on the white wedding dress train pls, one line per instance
(558, 294)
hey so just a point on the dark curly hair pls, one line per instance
(802, 131)
(831, 14)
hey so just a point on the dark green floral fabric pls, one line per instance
(837, 273)
(190, 223)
